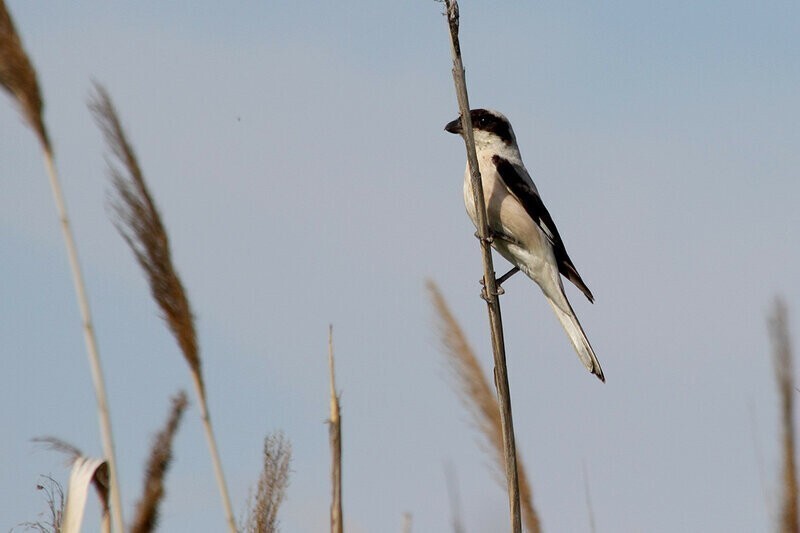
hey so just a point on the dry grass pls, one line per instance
(54, 496)
(784, 374)
(18, 77)
(476, 394)
(139, 223)
(146, 517)
(262, 515)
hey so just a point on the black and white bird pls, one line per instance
(521, 228)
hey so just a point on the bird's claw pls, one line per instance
(489, 239)
(497, 292)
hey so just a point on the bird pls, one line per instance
(520, 226)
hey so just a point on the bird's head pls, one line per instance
(490, 128)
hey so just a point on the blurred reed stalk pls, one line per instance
(407, 520)
(476, 393)
(588, 493)
(784, 374)
(490, 293)
(18, 77)
(262, 514)
(139, 223)
(455, 501)
(146, 518)
(335, 435)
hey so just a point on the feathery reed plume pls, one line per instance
(18, 77)
(262, 515)
(335, 435)
(490, 290)
(784, 374)
(146, 518)
(61, 446)
(139, 223)
(476, 394)
(54, 496)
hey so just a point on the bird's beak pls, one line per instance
(454, 126)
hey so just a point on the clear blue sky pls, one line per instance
(298, 157)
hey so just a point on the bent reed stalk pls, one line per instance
(18, 77)
(489, 281)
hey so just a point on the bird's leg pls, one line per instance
(498, 283)
(507, 275)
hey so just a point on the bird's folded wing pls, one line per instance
(521, 186)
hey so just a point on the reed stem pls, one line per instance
(489, 279)
(91, 344)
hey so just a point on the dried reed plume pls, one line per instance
(335, 435)
(146, 518)
(477, 396)
(18, 77)
(61, 446)
(139, 223)
(784, 374)
(490, 287)
(262, 515)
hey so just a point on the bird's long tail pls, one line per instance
(575, 332)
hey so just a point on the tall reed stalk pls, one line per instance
(18, 77)
(139, 223)
(490, 292)
(335, 435)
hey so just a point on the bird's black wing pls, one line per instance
(524, 191)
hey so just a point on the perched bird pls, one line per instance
(521, 228)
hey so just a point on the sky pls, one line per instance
(298, 157)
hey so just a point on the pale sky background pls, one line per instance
(296, 151)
